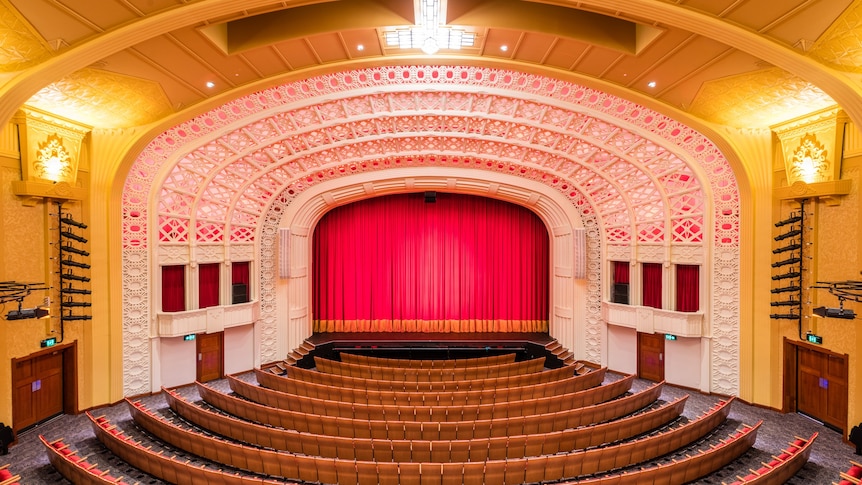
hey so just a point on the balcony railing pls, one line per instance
(653, 320)
(207, 320)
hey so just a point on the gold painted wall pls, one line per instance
(25, 255)
(833, 231)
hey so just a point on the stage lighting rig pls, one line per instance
(15, 291)
(844, 290)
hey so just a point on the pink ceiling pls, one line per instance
(648, 178)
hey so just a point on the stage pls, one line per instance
(451, 345)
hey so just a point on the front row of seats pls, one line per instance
(76, 468)
(7, 477)
(853, 475)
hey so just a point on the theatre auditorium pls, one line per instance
(430, 241)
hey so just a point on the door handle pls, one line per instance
(660, 356)
(200, 356)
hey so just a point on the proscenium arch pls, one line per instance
(574, 317)
(698, 151)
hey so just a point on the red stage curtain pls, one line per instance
(239, 275)
(462, 263)
(173, 288)
(652, 285)
(208, 285)
(687, 288)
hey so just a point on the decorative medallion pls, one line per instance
(52, 160)
(809, 161)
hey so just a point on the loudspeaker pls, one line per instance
(430, 197)
(620, 293)
(284, 252)
(239, 293)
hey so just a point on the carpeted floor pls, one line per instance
(829, 455)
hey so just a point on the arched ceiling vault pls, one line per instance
(684, 46)
(649, 179)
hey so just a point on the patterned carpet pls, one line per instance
(829, 455)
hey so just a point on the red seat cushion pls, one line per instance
(5, 474)
(855, 471)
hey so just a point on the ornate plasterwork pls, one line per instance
(758, 99)
(636, 174)
(44, 137)
(102, 98)
(20, 45)
(53, 161)
(808, 162)
(841, 46)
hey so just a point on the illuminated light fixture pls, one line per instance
(809, 162)
(210, 84)
(429, 34)
(651, 84)
(504, 47)
(53, 162)
(360, 47)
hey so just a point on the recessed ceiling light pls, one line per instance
(210, 84)
(360, 47)
(651, 84)
(504, 47)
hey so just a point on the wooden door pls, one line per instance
(822, 391)
(651, 356)
(38, 388)
(210, 356)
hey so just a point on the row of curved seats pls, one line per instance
(447, 398)
(687, 468)
(416, 374)
(517, 470)
(75, 468)
(416, 430)
(429, 413)
(548, 375)
(377, 449)
(6, 476)
(171, 469)
(322, 470)
(426, 363)
(781, 467)
(853, 475)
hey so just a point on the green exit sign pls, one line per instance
(49, 342)
(668, 336)
(814, 339)
(189, 337)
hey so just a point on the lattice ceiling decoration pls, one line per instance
(642, 173)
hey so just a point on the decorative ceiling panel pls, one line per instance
(101, 98)
(761, 98)
(841, 46)
(609, 166)
(20, 45)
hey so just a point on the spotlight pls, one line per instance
(827, 312)
(27, 313)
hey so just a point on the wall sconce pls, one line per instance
(51, 149)
(809, 161)
(52, 160)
